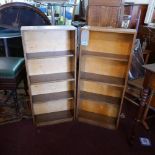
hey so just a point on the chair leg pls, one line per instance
(15, 98)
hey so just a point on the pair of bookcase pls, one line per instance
(58, 91)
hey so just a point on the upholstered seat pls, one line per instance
(10, 67)
(12, 72)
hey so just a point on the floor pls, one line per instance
(74, 138)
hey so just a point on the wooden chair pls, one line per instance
(12, 69)
(12, 72)
(135, 87)
(17, 14)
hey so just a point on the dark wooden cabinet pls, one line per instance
(104, 13)
(137, 12)
(105, 2)
(104, 16)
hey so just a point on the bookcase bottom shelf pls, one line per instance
(54, 118)
(96, 119)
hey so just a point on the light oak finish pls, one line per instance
(50, 65)
(100, 88)
(53, 106)
(54, 87)
(98, 65)
(103, 74)
(99, 108)
(50, 54)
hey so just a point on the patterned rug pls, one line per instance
(8, 112)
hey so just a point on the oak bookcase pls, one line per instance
(105, 57)
(50, 54)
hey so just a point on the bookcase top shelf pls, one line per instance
(107, 29)
(44, 28)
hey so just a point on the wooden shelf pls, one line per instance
(52, 77)
(50, 57)
(43, 55)
(52, 96)
(100, 98)
(54, 118)
(106, 55)
(96, 119)
(113, 81)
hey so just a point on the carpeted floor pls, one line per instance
(8, 113)
(73, 138)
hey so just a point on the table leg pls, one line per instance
(143, 102)
(6, 47)
(146, 111)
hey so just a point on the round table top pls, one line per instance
(7, 33)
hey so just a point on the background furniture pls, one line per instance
(105, 13)
(12, 71)
(14, 15)
(50, 54)
(6, 34)
(149, 83)
(104, 63)
(147, 94)
(135, 86)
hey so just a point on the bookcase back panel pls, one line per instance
(49, 41)
(54, 87)
(115, 43)
(99, 108)
(53, 106)
(50, 65)
(99, 65)
(100, 88)
(97, 119)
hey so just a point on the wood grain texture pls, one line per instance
(100, 98)
(50, 65)
(50, 54)
(41, 98)
(105, 2)
(53, 106)
(98, 108)
(42, 55)
(104, 16)
(54, 87)
(102, 89)
(54, 118)
(98, 65)
(106, 55)
(104, 65)
(96, 119)
(52, 77)
(103, 79)
(109, 30)
(36, 41)
(116, 43)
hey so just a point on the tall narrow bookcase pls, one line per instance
(104, 63)
(50, 54)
